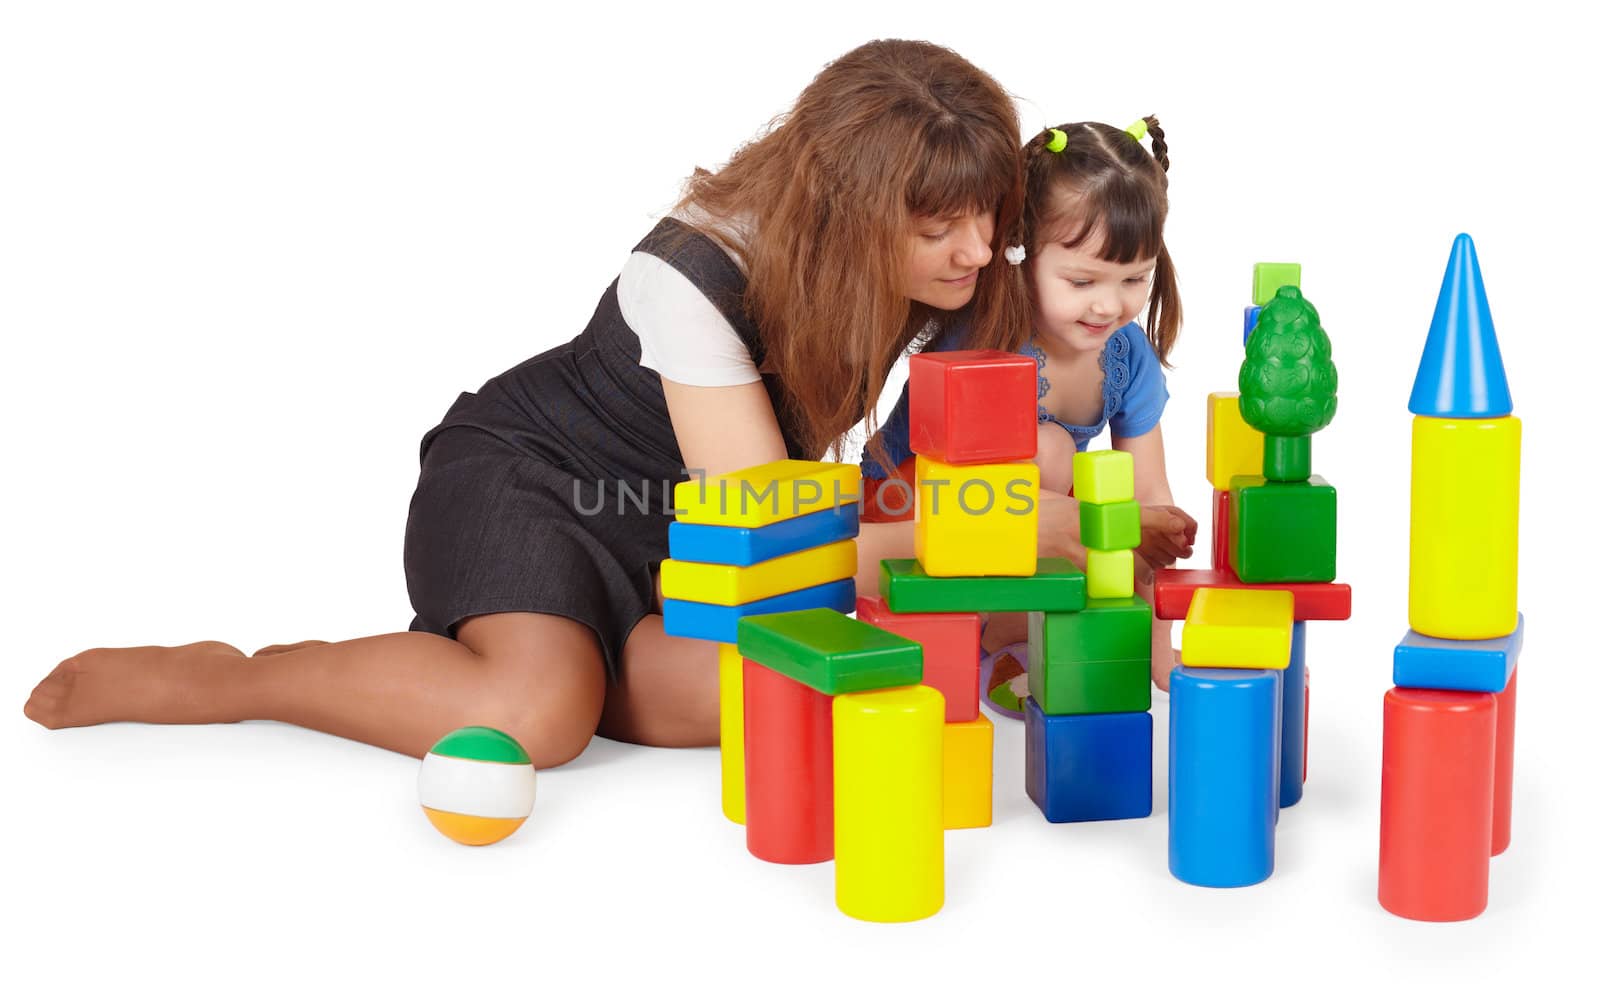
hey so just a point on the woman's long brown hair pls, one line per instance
(891, 131)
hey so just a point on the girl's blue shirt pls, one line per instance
(1134, 395)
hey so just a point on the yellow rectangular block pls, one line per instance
(977, 520)
(1233, 447)
(969, 774)
(724, 584)
(1465, 490)
(1240, 628)
(766, 494)
(730, 692)
(1109, 573)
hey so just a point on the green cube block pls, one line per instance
(1057, 586)
(1096, 661)
(1102, 477)
(1282, 531)
(1109, 525)
(1109, 573)
(829, 652)
(1270, 276)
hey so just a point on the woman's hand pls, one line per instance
(1166, 533)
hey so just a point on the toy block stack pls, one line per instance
(1449, 722)
(776, 537)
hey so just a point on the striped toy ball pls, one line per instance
(476, 785)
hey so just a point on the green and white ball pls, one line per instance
(476, 785)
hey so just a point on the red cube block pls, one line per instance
(949, 651)
(974, 407)
(1220, 530)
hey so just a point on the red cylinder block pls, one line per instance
(1505, 740)
(788, 768)
(1437, 803)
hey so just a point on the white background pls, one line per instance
(250, 252)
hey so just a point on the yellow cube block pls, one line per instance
(1239, 627)
(968, 774)
(724, 584)
(730, 692)
(977, 520)
(1465, 489)
(765, 494)
(888, 803)
(1233, 447)
(1109, 573)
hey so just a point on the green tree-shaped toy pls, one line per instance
(1288, 385)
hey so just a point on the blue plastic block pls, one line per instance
(1292, 758)
(1482, 665)
(720, 623)
(1252, 314)
(739, 546)
(1088, 766)
(1461, 374)
(1222, 779)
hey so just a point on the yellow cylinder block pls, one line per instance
(888, 803)
(730, 689)
(1465, 479)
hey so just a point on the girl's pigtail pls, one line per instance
(1158, 142)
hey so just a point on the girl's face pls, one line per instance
(1080, 299)
(944, 256)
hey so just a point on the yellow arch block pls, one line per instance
(1465, 488)
(969, 773)
(765, 494)
(730, 689)
(1239, 627)
(1233, 447)
(724, 584)
(977, 520)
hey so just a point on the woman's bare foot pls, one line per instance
(286, 648)
(154, 684)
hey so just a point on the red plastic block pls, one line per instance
(1313, 601)
(1437, 805)
(788, 768)
(1220, 530)
(974, 407)
(949, 651)
(1505, 739)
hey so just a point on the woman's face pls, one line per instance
(944, 257)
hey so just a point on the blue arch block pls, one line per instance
(720, 623)
(739, 546)
(1088, 766)
(1461, 374)
(1482, 665)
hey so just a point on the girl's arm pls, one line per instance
(1168, 532)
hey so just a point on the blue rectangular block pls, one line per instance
(1482, 665)
(1088, 766)
(720, 623)
(1291, 765)
(1252, 314)
(739, 546)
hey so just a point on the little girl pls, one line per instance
(1092, 251)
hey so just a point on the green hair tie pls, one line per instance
(1138, 130)
(1058, 142)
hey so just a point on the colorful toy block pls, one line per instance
(1239, 629)
(1268, 277)
(1461, 374)
(1505, 741)
(766, 494)
(977, 520)
(1102, 477)
(974, 407)
(1110, 525)
(1252, 315)
(829, 652)
(1109, 573)
(742, 546)
(1436, 813)
(889, 801)
(950, 650)
(1233, 447)
(1222, 779)
(1296, 719)
(1465, 478)
(1096, 661)
(1088, 766)
(1483, 665)
(1057, 586)
(968, 773)
(1221, 511)
(720, 623)
(788, 768)
(730, 697)
(1315, 601)
(719, 584)
(1282, 531)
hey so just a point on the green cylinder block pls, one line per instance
(1286, 459)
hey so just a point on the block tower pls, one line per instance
(1449, 722)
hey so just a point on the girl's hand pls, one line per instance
(1166, 534)
(1058, 527)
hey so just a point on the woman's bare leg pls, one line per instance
(667, 694)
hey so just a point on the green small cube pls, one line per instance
(1056, 586)
(830, 652)
(1282, 531)
(1102, 477)
(1270, 276)
(1109, 525)
(1096, 661)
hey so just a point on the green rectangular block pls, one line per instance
(1109, 525)
(1056, 586)
(1282, 531)
(1270, 276)
(830, 652)
(1096, 661)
